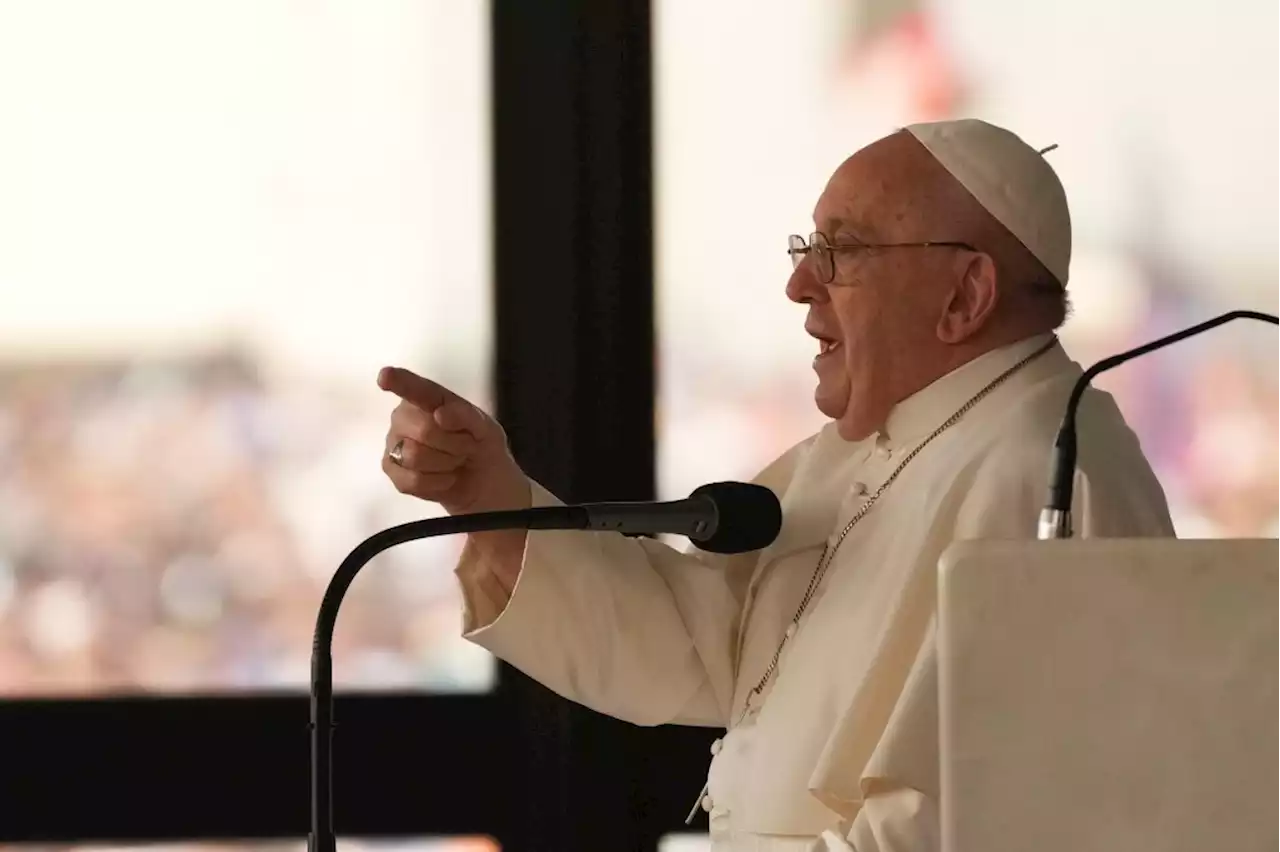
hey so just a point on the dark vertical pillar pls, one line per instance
(575, 374)
(574, 364)
(574, 264)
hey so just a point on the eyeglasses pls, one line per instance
(823, 251)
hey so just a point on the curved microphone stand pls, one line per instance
(322, 837)
(1055, 518)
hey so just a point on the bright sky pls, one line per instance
(312, 178)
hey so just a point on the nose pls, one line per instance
(802, 287)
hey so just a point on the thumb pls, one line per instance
(414, 389)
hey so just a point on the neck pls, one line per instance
(989, 340)
(943, 361)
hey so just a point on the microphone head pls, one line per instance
(748, 517)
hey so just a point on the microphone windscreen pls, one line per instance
(748, 517)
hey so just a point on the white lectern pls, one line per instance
(1108, 695)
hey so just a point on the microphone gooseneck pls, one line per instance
(1055, 518)
(322, 837)
(723, 517)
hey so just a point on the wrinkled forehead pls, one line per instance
(878, 191)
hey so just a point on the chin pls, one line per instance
(838, 406)
(832, 405)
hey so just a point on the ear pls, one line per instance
(972, 301)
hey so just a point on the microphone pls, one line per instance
(723, 517)
(1055, 518)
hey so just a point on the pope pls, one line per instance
(935, 277)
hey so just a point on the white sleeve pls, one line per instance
(629, 627)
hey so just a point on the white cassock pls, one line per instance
(841, 751)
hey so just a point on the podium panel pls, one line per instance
(1108, 695)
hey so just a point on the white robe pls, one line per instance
(843, 753)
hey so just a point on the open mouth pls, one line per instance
(826, 345)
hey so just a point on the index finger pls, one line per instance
(414, 389)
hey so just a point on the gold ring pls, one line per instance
(397, 453)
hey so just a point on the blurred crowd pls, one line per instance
(172, 526)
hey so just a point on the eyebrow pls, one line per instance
(833, 226)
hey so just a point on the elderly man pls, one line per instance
(935, 281)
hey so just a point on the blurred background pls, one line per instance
(219, 219)
(201, 271)
(1167, 133)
